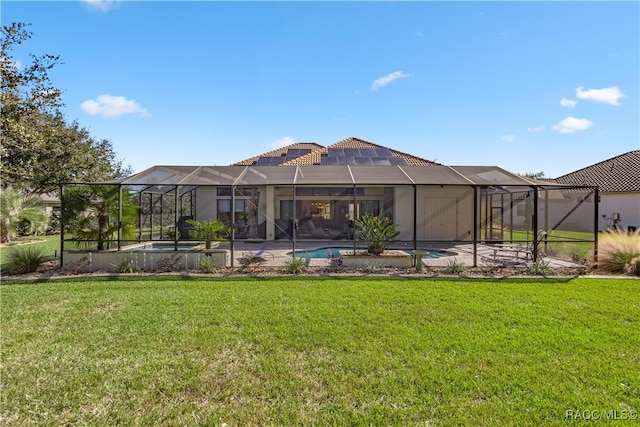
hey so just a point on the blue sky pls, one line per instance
(527, 86)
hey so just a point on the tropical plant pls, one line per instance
(20, 209)
(619, 251)
(208, 231)
(127, 265)
(25, 259)
(372, 267)
(454, 267)
(208, 265)
(295, 265)
(377, 232)
(540, 268)
(91, 214)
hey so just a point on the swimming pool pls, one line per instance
(334, 252)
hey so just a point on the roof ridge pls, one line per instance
(600, 163)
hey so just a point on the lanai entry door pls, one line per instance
(441, 218)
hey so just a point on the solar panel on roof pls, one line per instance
(353, 152)
(363, 160)
(397, 161)
(335, 152)
(329, 160)
(382, 152)
(380, 161)
(367, 152)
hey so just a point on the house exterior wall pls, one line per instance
(626, 204)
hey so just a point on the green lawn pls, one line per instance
(318, 351)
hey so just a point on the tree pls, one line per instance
(208, 231)
(35, 138)
(18, 208)
(377, 232)
(90, 214)
(534, 175)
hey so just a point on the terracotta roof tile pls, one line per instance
(620, 174)
(279, 152)
(314, 157)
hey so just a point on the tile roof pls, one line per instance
(318, 151)
(620, 174)
(279, 152)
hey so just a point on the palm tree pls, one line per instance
(17, 207)
(90, 214)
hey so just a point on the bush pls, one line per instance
(539, 268)
(377, 232)
(25, 259)
(372, 267)
(619, 252)
(208, 265)
(295, 265)
(127, 265)
(454, 267)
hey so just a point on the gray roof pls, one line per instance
(620, 174)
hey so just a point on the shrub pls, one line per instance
(127, 265)
(295, 265)
(619, 251)
(208, 265)
(377, 232)
(25, 259)
(539, 268)
(372, 267)
(454, 267)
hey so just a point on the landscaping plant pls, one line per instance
(377, 232)
(25, 259)
(208, 231)
(619, 251)
(295, 265)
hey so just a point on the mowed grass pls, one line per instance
(318, 351)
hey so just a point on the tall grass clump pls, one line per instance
(25, 259)
(295, 265)
(619, 251)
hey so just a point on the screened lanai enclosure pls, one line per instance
(284, 206)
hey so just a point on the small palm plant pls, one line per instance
(377, 232)
(208, 231)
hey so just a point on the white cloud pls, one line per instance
(573, 125)
(102, 5)
(419, 34)
(536, 128)
(282, 142)
(112, 106)
(568, 102)
(508, 138)
(383, 81)
(609, 95)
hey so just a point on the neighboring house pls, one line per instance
(618, 181)
(51, 203)
(308, 191)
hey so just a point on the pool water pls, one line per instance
(331, 252)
